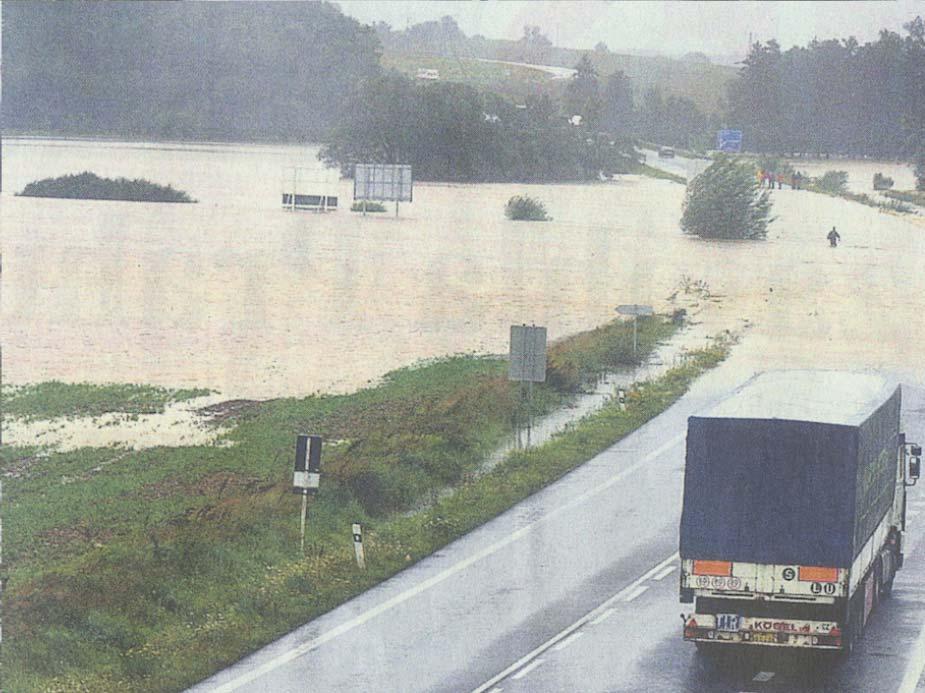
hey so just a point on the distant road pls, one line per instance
(555, 71)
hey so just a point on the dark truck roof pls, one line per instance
(795, 467)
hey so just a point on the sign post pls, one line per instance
(527, 364)
(635, 310)
(307, 475)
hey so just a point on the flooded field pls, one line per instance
(236, 294)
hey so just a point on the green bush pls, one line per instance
(910, 196)
(89, 186)
(525, 208)
(370, 207)
(724, 202)
(832, 182)
(882, 182)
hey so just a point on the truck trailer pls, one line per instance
(794, 510)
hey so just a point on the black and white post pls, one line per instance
(307, 475)
(358, 546)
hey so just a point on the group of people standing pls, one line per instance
(769, 178)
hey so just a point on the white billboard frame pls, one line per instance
(383, 182)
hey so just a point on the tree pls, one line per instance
(617, 103)
(724, 202)
(914, 111)
(582, 95)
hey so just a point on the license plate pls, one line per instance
(727, 622)
(764, 637)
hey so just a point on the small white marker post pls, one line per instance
(621, 398)
(358, 546)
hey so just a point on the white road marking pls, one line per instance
(527, 669)
(296, 652)
(603, 617)
(568, 641)
(665, 573)
(915, 666)
(496, 690)
(599, 612)
(635, 593)
(763, 676)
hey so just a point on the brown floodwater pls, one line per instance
(236, 294)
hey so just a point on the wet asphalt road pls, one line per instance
(575, 589)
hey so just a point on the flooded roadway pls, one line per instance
(238, 295)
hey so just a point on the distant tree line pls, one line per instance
(163, 70)
(835, 97)
(451, 131)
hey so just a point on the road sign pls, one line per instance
(634, 309)
(390, 182)
(527, 361)
(729, 141)
(307, 475)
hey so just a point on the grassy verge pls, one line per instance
(148, 570)
(914, 197)
(652, 172)
(55, 399)
(892, 205)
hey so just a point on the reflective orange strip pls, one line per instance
(720, 568)
(817, 574)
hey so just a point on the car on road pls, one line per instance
(666, 153)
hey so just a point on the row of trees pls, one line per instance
(450, 131)
(834, 96)
(213, 71)
(609, 105)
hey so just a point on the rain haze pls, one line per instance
(413, 346)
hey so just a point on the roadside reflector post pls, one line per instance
(358, 546)
(306, 478)
(621, 398)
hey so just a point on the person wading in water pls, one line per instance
(833, 237)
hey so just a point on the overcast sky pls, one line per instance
(715, 28)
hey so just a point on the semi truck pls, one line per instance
(794, 510)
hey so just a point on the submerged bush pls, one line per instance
(725, 202)
(370, 207)
(89, 186)
(882, 182)
(832, 182)
(525, 208)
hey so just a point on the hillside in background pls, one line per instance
(442, 45)
(212, 71)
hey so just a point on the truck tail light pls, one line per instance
(714, 568)
(690, 629)
(817, 574)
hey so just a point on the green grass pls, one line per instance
(892, 205)
(149, 570)
(914, 197)
(55, 399)
(652, 172)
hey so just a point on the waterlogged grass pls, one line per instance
(652, 172)
(914, 197)
(149, 570)
(55, 399)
